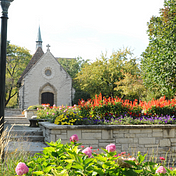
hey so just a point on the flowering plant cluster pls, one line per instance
(47, 112)
(21, 169)
(111, 111)
(68, 116)
(102, 106)
(72, 160)
(144, 119)
(117, 111)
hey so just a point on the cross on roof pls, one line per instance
(48, 47)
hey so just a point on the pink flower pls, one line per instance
(111, 148)
(123, 153)
(82, 146)
(53, 114)
(87, 151)
(132, 159)
(91, 147)
(47, 113)
(161, 170)
(74, 138)
(21, 169)
(162, 158)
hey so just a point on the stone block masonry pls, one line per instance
(151, 139)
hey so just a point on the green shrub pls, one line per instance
(70, 160)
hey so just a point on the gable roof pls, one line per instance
(38, 54)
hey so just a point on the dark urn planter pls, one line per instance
(34, 122)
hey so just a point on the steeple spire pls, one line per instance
(39, 39)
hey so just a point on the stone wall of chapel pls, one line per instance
(20, 97)
(36, 79)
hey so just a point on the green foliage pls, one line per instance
(17, 60)
(102, 75)
(35, 107)
(159, 59)
(151, 94)
(108, 110)
(165, 110)
(68, 160)
(11, 159)
(132, 87)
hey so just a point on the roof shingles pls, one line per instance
(38, 54)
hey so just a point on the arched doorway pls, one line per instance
(47, 98)
(48, 95)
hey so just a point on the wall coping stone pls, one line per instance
(30, 110)
(53, 126)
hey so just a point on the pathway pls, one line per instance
(23, 137)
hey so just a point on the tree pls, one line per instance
(102, 75)
(132, 86)
(73, 65)
(158, 62)
(17, 60)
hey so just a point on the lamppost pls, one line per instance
(4, 5)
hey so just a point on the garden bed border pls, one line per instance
(151, 139)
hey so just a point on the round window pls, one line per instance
(48, 72)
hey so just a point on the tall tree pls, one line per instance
(101, 76)
(72, 65)
(158, 62)
(132, 86)
(17, 60)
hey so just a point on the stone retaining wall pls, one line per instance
(157, 139)
(12, 112)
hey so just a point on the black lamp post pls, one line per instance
(5, 5)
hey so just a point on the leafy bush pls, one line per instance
(70, 160)
(165, 110)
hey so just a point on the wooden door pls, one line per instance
(47, 98)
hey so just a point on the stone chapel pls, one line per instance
(44, 80)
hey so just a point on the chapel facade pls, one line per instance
(44, 81)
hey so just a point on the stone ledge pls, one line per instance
(106, 127)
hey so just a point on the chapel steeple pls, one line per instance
(39, 39)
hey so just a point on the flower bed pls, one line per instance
(74, 159)
(111, 111)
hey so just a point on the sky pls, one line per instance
(82, 28)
